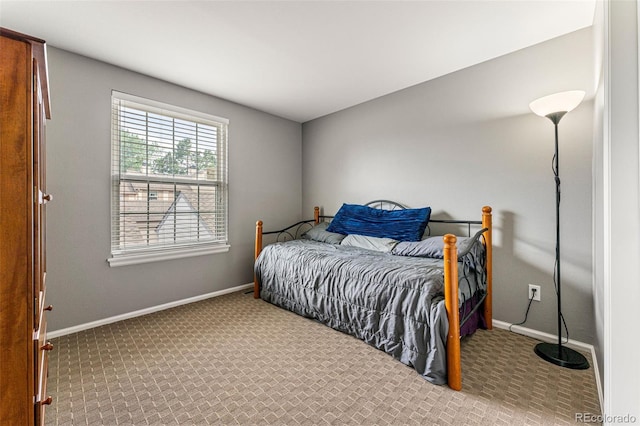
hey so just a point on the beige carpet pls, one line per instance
(235, 360)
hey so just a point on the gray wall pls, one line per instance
(264, 175)
(466, 140)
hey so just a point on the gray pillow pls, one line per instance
(384, 245)
(429, 247)
(319, 233)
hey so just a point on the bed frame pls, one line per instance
(454, 369)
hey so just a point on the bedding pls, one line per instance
(395, 303)
(411, 296)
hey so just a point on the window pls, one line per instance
(169, 182)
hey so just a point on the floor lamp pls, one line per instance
(554, 107)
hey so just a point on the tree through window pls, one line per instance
(169, 179)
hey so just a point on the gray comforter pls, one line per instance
(392, 302)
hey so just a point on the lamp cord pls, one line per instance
(554, 168)
(555, 284)
(526, 314)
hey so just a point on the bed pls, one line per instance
(383, 278)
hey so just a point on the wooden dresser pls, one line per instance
(24, 109)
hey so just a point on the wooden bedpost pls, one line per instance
(488, 301)
(316, 214)
(454, 370)
(258, 249)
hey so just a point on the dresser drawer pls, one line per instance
(41, 348)
(39, 305)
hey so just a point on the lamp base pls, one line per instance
(562, 356)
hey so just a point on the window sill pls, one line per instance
(134, 259)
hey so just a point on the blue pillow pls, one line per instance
(400, 225)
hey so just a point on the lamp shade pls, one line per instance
(558, 102)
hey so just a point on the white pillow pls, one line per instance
(384, 245)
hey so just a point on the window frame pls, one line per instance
(144, 254)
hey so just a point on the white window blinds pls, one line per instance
(169, 180)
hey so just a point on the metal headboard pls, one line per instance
(393, 205)
(377, 204)
(304, 225)
(386, 205)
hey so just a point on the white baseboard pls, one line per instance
(105, 321)
(551, 338)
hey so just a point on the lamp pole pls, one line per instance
(555, 118)
(557, 354)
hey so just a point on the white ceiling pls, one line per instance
(296, 59)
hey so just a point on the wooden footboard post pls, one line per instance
(454, 370)
(488, 301)
(316, 214)
(258, 249)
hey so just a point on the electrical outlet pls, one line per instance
(535, 296)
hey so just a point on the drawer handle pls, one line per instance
(47, 197)
(47, 401)
(47, 347)
(49, 308)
